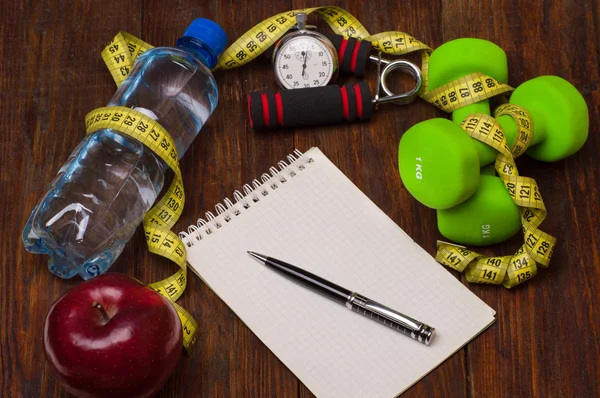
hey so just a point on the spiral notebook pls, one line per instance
(307, 212)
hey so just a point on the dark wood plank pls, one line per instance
(545, 341)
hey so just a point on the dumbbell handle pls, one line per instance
(310, 106)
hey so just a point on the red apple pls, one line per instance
(112, 336)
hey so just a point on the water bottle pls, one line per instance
(110, 181)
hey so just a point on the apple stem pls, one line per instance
(100, 308)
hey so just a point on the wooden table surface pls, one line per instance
(546, 340)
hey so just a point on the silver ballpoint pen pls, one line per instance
(354, 301)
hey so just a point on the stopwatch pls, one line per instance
(304, 58)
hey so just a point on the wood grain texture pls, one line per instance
(546, 340)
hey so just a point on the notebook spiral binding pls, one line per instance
(228, 209)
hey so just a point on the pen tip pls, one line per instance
(262, 259)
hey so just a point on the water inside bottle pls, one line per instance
(110, 181)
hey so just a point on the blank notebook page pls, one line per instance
(318, 220)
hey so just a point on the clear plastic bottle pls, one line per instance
(110, 181)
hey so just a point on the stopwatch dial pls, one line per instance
(304, 61)
(303, 55)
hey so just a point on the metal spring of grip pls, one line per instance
(405, 66)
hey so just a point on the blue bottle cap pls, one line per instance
(208, 32)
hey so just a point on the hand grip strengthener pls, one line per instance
(333, 104)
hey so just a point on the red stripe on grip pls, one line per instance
(345, 101)
(354, 56)
(265, 108)
(279, 107)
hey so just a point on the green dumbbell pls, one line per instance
(488, 217)
(559, 114)
(439, 163)
(438, 147)
(439, 166)
(560, 109)
(459, 155)
(436, 161)
(459, 58)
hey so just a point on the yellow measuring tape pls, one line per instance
(539, 246)
(119, 56)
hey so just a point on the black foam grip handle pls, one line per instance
(336, 40)
(310, 106)
(353, 55)
(345, 55)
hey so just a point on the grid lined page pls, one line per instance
(320, 221)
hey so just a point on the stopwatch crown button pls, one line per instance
(301, 18)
